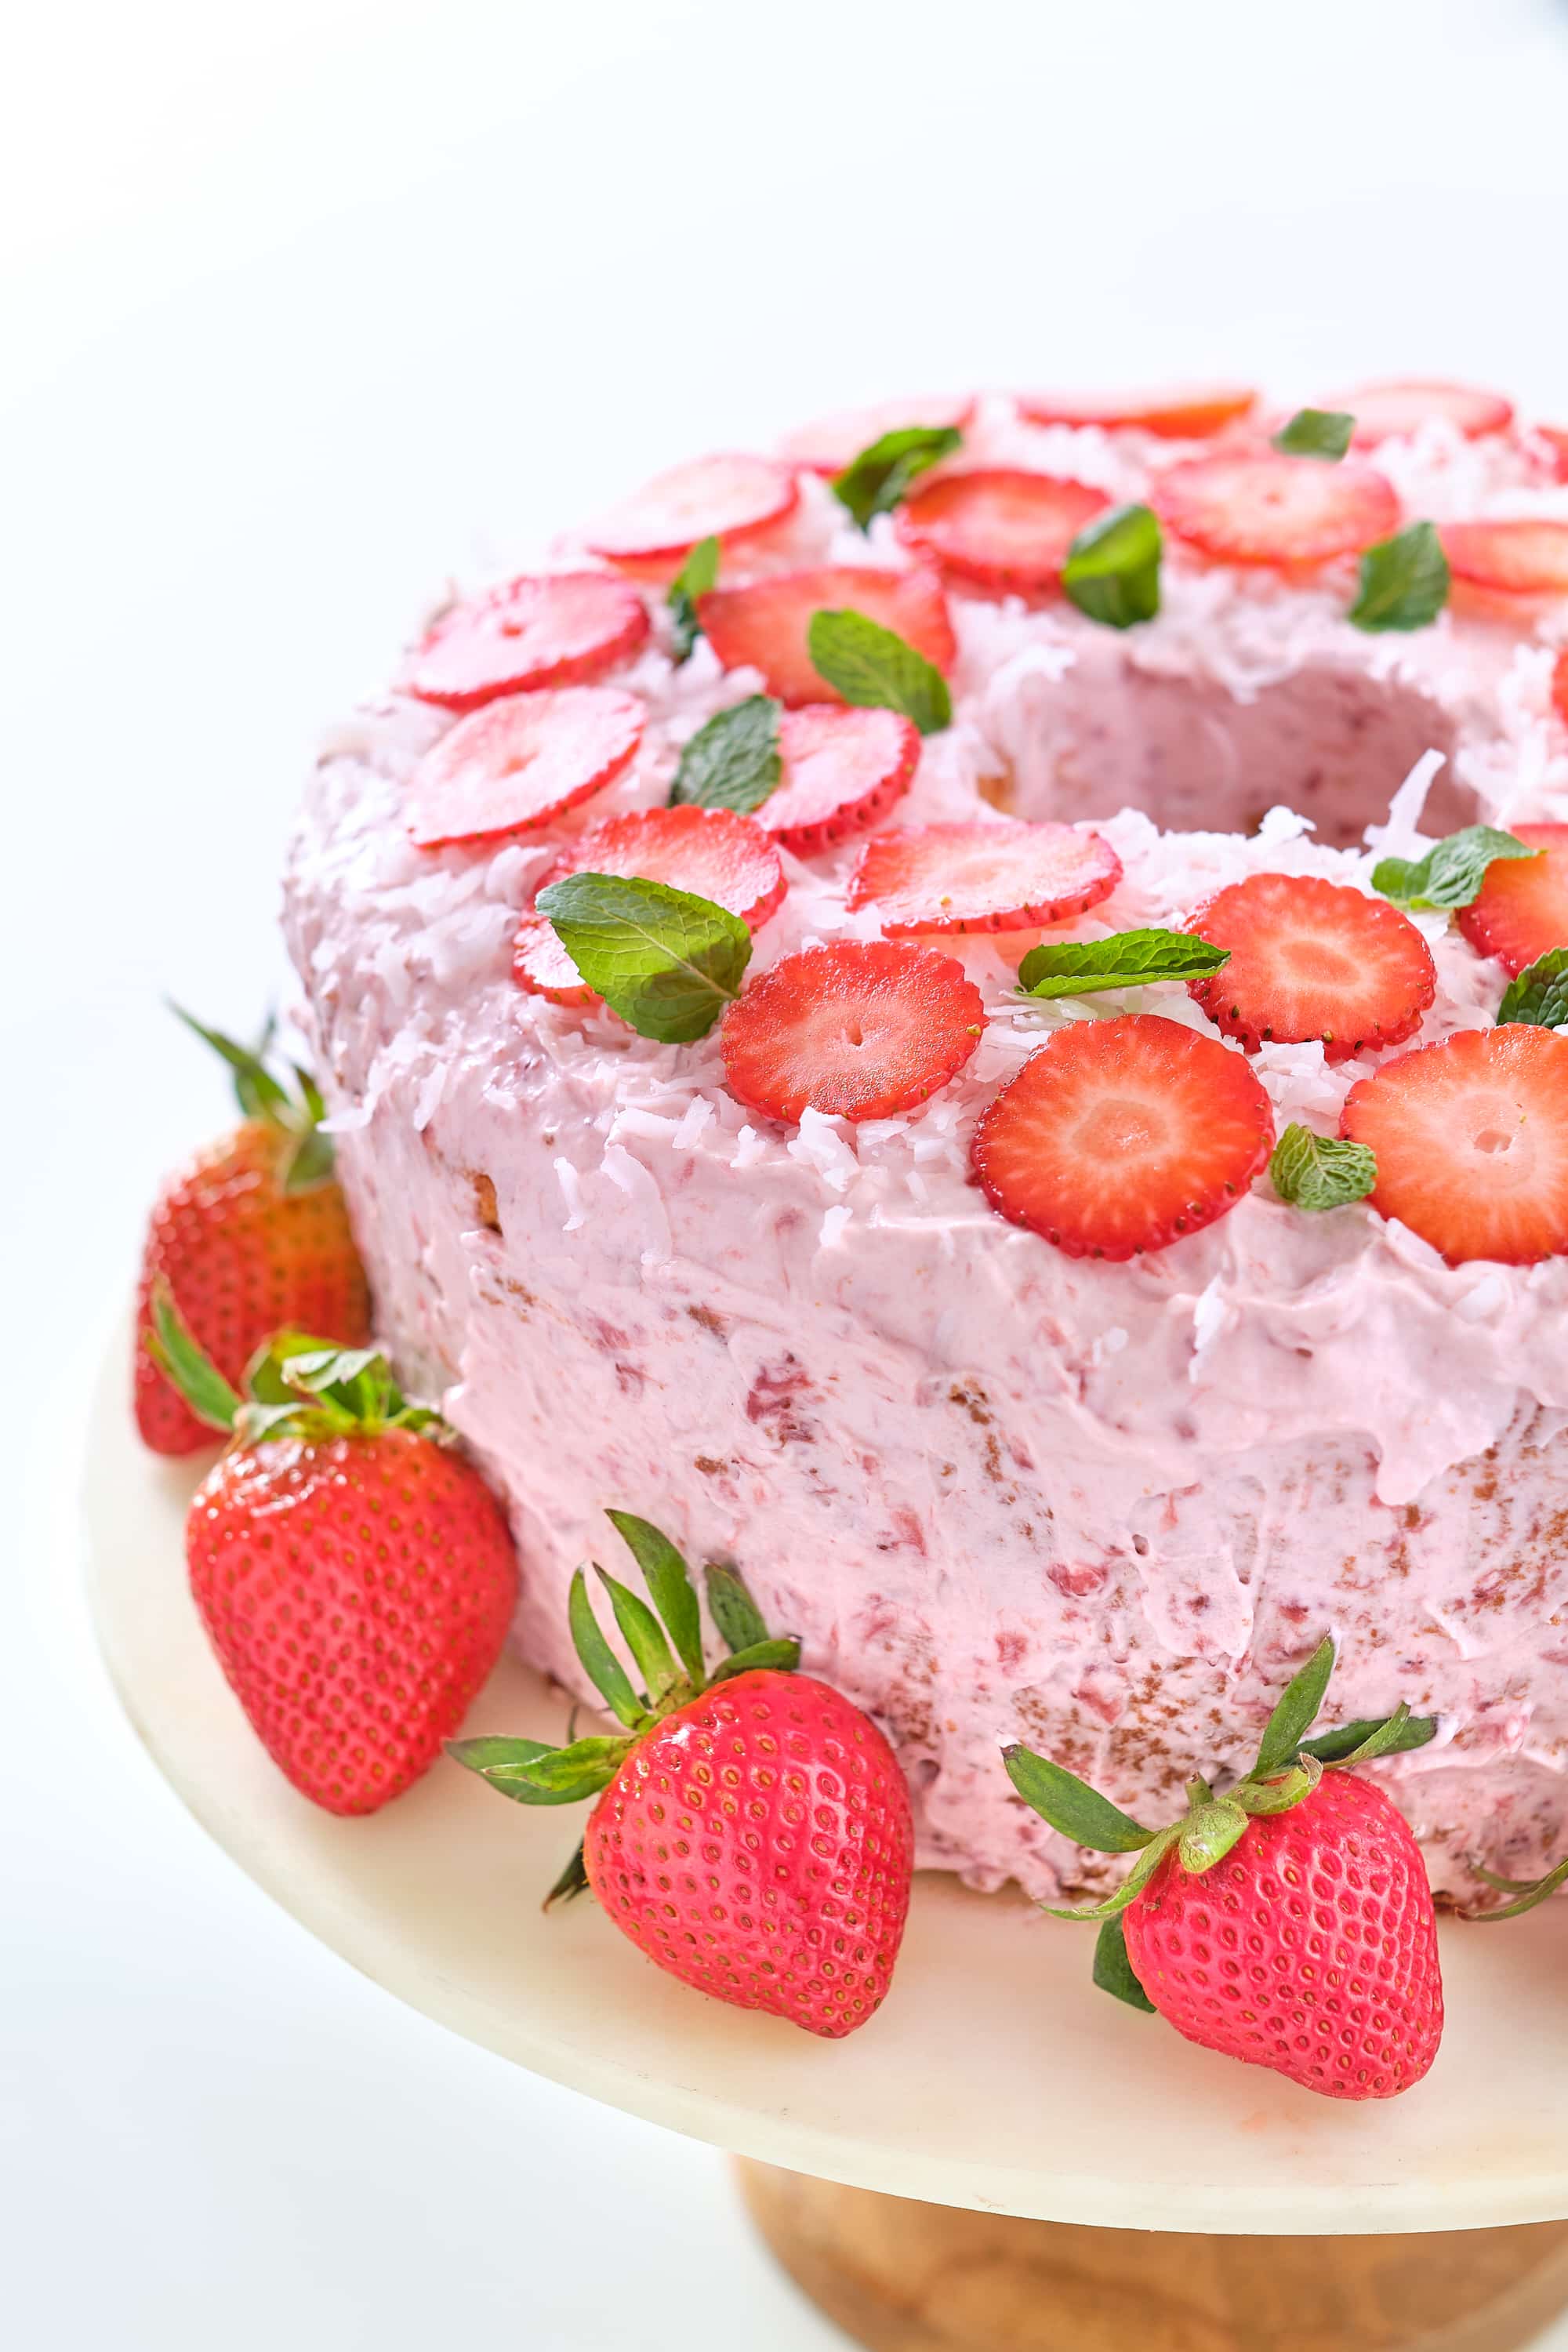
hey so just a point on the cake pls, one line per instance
(1001, 1491)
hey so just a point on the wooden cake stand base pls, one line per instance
(901, 2276)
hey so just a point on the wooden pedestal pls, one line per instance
(900, 2277)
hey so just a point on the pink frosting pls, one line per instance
(998, 1493)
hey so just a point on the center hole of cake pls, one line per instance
(1200, 755)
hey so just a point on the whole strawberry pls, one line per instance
(252, 1235)
(752, 1832)
(354, 1572)
(1287, 1922)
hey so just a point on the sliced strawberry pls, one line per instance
(1559, 685)
(1001, 529)
(520, 761)
(1310, 961)
(552, 629)
(1471, 1142)
(982, 877)
(541, 965)
(763, 625)
(1556, 440)
(858, 1030)
(728, 499)
(712, 853)
(830, 442)
(843, 770)
(1518, 557)
(1268, 508)
(1523, 907)
(1383, 411)
(1177, 415)
(1121, 1136)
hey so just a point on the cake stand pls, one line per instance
(1004, 2160)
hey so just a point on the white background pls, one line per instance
(307, 304)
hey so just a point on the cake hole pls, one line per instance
(1196, 757)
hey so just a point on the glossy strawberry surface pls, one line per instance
(758, 1845)
(1311, 1948)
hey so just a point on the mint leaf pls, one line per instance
(1112, 570)
(696, 576)
(1316, 433)
(875, 482)
(732, 762)
(1320, 1172)
(1071, 1806)
(1296, 1711)
(1114, 1971)
(1128, 960)
(665, 960)
(1539, 994)
(1403, 581)
(1395, 1734)
(874, 669)
(1449, 875)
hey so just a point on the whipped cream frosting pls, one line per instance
(998, 1492)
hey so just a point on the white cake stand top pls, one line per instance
(995, 2077)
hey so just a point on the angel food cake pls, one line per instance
(1001, 1126)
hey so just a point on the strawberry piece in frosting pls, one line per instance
(730, 498)
(1521, 908)
(1384, 412)
(1121, 1136)
(858, 1030)
(560, 628)
(516, 763)
(1001, 529)
(1269, 509)
(982, 877)
(1516, 556)
(763, 625)
(1191, 415)
(709, 852)
(1471, 1141)
(843, 770)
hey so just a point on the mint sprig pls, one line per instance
(1320, 1172)
(1403, 581)
(1539, 994)
(696, 576)
(1127, 959)
(732, 762)
(666, 960)
(875, 669)
(1316, 433)
(1112, 570)
(879, 479)
(1449, 875)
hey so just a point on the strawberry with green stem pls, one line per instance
(353, 1571)
(752, 1831)
(250, 1235)
(1285, 1921)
